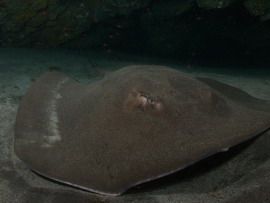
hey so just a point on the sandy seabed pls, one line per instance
(240, 175)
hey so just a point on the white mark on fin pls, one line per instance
(54, 135)
(225, 149)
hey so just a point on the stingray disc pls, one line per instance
(137, 124)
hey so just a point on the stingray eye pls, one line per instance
(142, 100)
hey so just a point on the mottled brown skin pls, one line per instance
(135, 125)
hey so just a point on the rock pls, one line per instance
(171, 8)
(213, 4)
(182, 29)
(52, 23)
(259, 8)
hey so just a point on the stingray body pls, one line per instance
(135, 125)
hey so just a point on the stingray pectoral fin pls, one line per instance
(37, 118)
(237, 95)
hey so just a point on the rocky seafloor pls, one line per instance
(186, 29)
(241, 174)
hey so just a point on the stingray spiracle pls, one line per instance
(142, 101)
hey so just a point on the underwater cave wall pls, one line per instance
(193, 30)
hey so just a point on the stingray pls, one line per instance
(136, 124)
